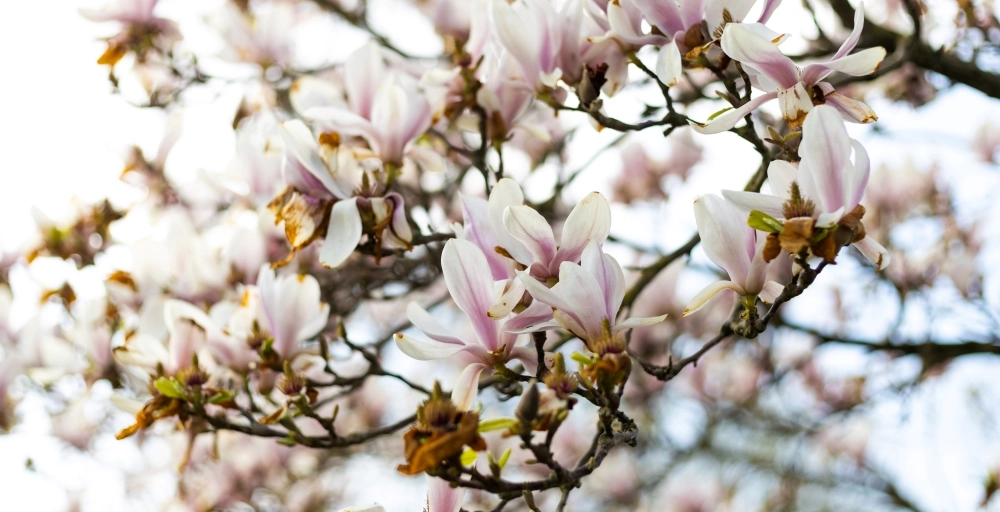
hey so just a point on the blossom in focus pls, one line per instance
(470, 282)
(332, 171)
(733, 245)
(586, 300)
(755, 46)
(829, 184)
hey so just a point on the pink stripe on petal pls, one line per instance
(468, 276)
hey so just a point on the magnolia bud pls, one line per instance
(527, 410)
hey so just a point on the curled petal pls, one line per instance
(477, 229)
(728, 119)
(343, 233)
(634, 322)
(507, 193)
(304, 151)
(873, 251)
(747, 201)
(426, 350)
(746, 46)
(508, 299)
(399, 233)
(467, 387)
(423, 320)
(537, 317)
(862, 63)
(707, 293)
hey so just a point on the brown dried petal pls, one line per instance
(772, 247)
(425, 451)
(796, 233)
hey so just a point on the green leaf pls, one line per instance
(582, 359)
(469, 457)
(503, 458)
(221, 397)
(719, 113)
(496, 424)
(168, 386)
(764, 222)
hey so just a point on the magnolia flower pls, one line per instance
(827, 179)
(189, 331)
(529, 30)
(334, 175)
(731, 244)
(676, 28)
(754, 46)
(385, 109)
(140, 28)
(533, 244)
(469, 280)
(586, 300)
(292, 308)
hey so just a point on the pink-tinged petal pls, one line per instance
(692, 12)
(729, 118)
(856, 176)
(747, 201)
(662, 14)
(507, 193)
(862, 63)
(589, 221)
(513, 25)
(532, 230)
(780, 175)
(738, 10)
(467, 387)
(303, 155)
(746, 46)
(874, 251)
(634, 322)
(442, 497)
(706, 294)
(527, 356)
(795, 104)
(850, 109)
(770, 292)
(852, 40)
(292, 307)
(425, 350)
(536, 317)
(626, 24)
(542, 293)
(724, 235)
(399, 233)
(769, 8)
(475, 212)
(342, 234)
(825, 150)
(609, 276)
(426, 158)
(467, 274)
(571, 323)
(669, 66)
(187, 336)
(312, 325)
(363, 72)
(426, 323)
(581, 290)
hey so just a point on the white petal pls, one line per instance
(795, 104)
(507, 193)
(825, 150)
(770, 292)
(728, 119)
(343, 233)
(747, 201)
(467, 387)
(634, 322)
(746, 46)
(724, 235)
(442, 497)
(706, 294)
(508, 299)
(531, 229)
(423, 320)
(668, 63)
(873, 251)
(425, 350)
(470, 282)
(589, 220)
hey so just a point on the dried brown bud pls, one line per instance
(772, 247)
(796, 234)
